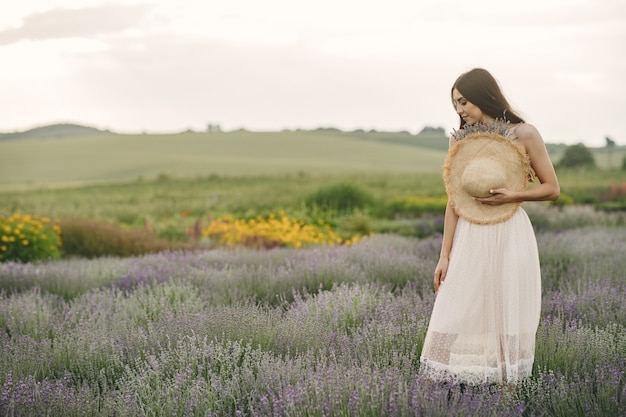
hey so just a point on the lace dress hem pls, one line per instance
(476, 374)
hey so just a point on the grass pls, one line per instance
(130, 203)
(131, 179)
(112, 157)
(108, 157)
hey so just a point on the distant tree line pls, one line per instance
(579, 156)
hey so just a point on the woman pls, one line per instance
(485, 317)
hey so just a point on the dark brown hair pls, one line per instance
(480, 88)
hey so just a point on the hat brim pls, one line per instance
(488, 145)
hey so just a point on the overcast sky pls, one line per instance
(171, 65)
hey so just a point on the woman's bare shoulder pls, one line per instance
(526, 130)
(527, 133)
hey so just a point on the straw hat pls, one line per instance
(481, 161)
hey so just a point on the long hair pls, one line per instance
(480, 88)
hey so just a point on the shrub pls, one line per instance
(26, 238)
(415, 205)
(357, 223)
(341, 198)
(546, 217)
(577, 156)
(563, 200)
(613, 199)
(91, 238)
(422, 227)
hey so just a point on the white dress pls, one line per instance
(485, 316)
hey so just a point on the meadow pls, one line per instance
(316, 331)
(52, 161)
(79, 160)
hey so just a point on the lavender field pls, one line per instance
(327, 331)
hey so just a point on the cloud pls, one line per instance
(160, 81)
(69, 23)
(185, 64)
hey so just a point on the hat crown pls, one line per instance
(482, 175)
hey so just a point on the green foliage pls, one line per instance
(355, 223)
(410, 205)
(162, 202)
(422, 227)
(415, 205)
(614, 198)
(27, 238)
(91, 238)
(576, 156)
(563, 200)
(624, 163)
(340, 198)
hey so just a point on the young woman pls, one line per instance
(484, 321)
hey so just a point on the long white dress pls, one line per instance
(486, 313)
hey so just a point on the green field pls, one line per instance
(126, 178)
(81, 156)
(112, 157)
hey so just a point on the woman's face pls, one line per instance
(468, 111)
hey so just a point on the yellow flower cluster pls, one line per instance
(273, 231)
(25, 237)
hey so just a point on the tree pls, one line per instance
(576, 156)
(610, 146)
(610, 143)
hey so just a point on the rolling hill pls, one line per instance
(67, 154)
(62, 130)
(98, 156)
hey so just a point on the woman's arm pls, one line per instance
(449, 227)
(548, 189)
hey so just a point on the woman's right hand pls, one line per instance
(440, 272)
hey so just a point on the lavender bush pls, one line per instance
(333, 331)
(546, 217)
